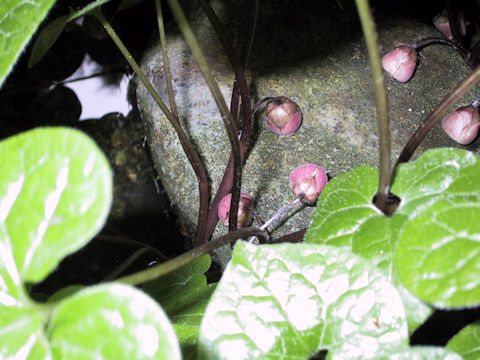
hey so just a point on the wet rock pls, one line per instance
(314, 53)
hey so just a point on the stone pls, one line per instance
(315, 54)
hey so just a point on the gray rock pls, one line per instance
(315, 54)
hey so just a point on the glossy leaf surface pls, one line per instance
(292, 300)
(18, 21)
(439, 196)
(467, 342)
(112, 321)
(55, 195)
(346, 217)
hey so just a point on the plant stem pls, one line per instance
(415, 140)
(222, 106)
(227, 181)
(187, 145)
(181, 260)
(370, 34)
(166, 66)
(277, 215)
(464, 53)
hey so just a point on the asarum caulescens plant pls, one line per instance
(462, 125)
(245, 208)
(283, 116)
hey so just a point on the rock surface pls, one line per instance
(314, 53)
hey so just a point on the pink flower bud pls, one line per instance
(462, 125)
(244, 217)
(308, 181)
(401, 62)
(283, 116)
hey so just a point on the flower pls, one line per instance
(307, 181)
(401, 62)
(462, 125)
(244, 217)
(283, 116)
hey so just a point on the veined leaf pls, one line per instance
(292, 300)
(440, 188)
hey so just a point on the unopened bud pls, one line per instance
(245, 206)
(462, 125)
(401, 62)
(307, 181)
(283, 116)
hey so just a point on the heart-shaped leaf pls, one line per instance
(111, 321)
(55, 194)
(346, 217)
(18, 21)
(440, 187)
(467, 342)
(292, 300)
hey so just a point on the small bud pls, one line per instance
(401, 62)
(462, 125)
(308, 181)
(244, 217)
(283, 116)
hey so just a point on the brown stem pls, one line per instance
(228, 177)
(200, 172)
(432, 119)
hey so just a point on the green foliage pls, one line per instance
(467, 342)
(55, 194)
(18, 21)
(292, 300)
(52, 31)
(111, 321)
(184, 295)
(439, 204)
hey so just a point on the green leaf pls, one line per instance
(438, 250)
(292, 300)
(346, 217)
(18, 21)
(55, 194)
(52, 31)
(421, 353)
(111, 321)
(19, 322)
(46, 39)
(467, 342)
(184, 295)
(435, 224)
